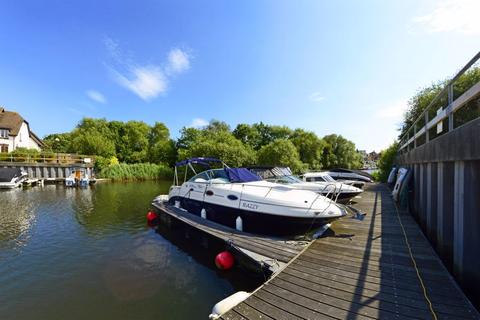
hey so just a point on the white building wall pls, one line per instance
(23, 140)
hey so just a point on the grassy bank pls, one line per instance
(137, 171)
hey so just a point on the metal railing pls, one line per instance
(47, 157)
(419, 132)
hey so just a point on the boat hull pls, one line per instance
(253, 221)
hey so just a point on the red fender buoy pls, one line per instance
(224, 260)
(152, 218)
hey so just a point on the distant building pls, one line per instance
(15, 133)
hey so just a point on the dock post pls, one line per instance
(459, 182)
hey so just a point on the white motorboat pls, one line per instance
(322, 176)
(11, 178)
(237, 198)
(349, 174)
(78, 177)
(335, 190)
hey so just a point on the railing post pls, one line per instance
(449, 108)
(427, 136)
(414, 136)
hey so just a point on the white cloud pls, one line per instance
(452, 15)
(96, 96)
(316, 97)
(198, 123)
(394, 110)
(178, 61)
(146, 82)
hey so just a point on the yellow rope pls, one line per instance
(434, 315)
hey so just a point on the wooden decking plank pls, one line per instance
(232, 315)
(246, 311)
(409, 304)
(386, 259)
(310, 308)
(360, 251)
(360, 295)
(393, 270)
(334, 301)
(285, 302)
(270, 310)
(412, 290)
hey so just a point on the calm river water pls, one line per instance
(88, 254)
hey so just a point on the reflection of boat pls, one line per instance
(78, 177)
(237, 198)
(335, 190)
(325, 177)
(11, 178)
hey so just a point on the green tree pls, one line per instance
(386, 161)
(260, 134)
(280, 152)
(217, 142)
(58, 142)
(309, 146)
(134, 142)
(162, 148)
(340, 152)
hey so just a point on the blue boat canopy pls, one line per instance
(241, 175)
(200, 160)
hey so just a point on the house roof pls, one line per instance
(13, 121)
(10, 120)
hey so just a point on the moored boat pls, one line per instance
(11, 178)
(322, 176)
(338, 191)
(240, 199)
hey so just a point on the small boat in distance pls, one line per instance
(335, 190)
(238, 198)
(11, 178)
(78, 177)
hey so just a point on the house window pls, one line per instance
(4, 133)
(3, 147)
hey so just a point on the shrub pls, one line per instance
(385, 164)
(137, 171)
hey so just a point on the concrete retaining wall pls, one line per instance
(47, 170)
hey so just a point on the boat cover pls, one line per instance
(200, 160)
(241, 175)
(7, 174)
(268, 172)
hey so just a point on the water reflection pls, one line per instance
(70, 253)
(16, 218)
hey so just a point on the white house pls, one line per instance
(15, 133)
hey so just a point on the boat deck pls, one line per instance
(268, 250)
(362, 269)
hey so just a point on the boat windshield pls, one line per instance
(212, 176)
(328, 178)
(286, 180)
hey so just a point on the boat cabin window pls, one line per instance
(201, 177)
(212, 176)
(218, 176)
(316, 179)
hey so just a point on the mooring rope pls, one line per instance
(425, 294)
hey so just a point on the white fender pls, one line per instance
(228, 303)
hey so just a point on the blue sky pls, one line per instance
(345, 67)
